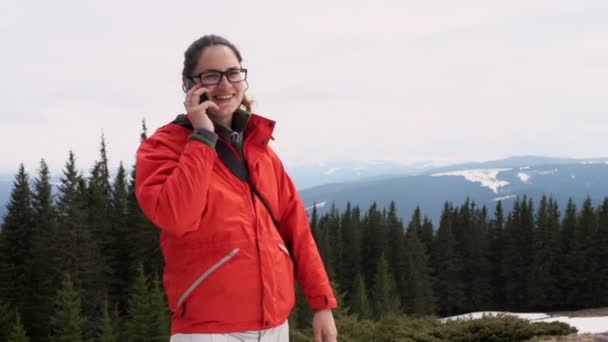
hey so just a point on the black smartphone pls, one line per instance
(203, 97)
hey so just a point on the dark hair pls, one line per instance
(194, 51)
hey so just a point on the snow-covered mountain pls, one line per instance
(484, 183)
(429, 185)
(306, 175)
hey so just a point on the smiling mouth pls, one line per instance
(223, 97)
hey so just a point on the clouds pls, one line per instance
(397, 80)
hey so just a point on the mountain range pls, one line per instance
(429, 185)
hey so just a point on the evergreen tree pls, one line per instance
(384, 293)
(67, 323)
(144, 237)
(449, 287)
(120, 257)
(586, 227)
(396, 252)
(518, 253)
(374, 243)
(18, 333)
(351, 249)
(600, 256)
(139, 325)
(161, 318)
(543, 286)
(74, 249)
(15, 241)
(359, 303)
(108, 331)
(567, 258)
(419, 298)
(39, 301)
(426, 234)
(496, 241)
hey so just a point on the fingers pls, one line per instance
(193, 95)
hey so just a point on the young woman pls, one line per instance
(234, 231)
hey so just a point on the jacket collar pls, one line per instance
(258, 129)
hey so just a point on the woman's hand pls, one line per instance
(197, 112)
(324, 326)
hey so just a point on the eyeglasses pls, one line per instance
(214, 77)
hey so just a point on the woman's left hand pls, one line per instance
(324, 326)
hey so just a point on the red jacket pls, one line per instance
(227, 266)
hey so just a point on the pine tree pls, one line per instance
(396, 252)
(161, 321)
(586, 227)
(600, 256)
(567, 258)
(140, 319)
(374, 242)
(15, 241)
(74, 249)
(144, 237)
(518, 253)
(359, 303)
(120, 257)
(496, 255)
(384, 293)
(67, 323)
(449, 287)
(351, 249)
(18, 333)
(543, 286)
(108, 325)
(418, 297)
(39, 302)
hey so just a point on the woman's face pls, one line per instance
(226, 95)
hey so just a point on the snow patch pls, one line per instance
(584, 325)
(332, 170)
(317, 205)
(524, 168)
(524, 177)
(496, 199)
(486, 177)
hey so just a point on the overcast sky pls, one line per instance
(396, 80)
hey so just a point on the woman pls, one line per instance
(234, 231)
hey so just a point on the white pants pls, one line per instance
(276, 334)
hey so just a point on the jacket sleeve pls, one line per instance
(295, 229)
(171, 185)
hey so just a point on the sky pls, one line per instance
(406, 81)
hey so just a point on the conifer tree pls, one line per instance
(543, 286)
(496, 255)
(144, 237)
(384, 293)
(418, 297)
(397, 249)
(74, 249)
(40, 287)
(374, 236)
(108, 331)
(567, 257)
(600, 256)
(67, 323)
(518, 253)
(449, 287)
(586, 227)
(351, 249)
(119, 251)
(359, 302)
(15, 240)
(140, 319)
(161, 318)
(18, 333)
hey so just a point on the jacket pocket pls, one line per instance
(182, 299)
(285, 280)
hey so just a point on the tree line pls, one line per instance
(83, 263)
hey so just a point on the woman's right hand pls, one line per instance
(197, 112)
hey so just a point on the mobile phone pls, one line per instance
(203, 97)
